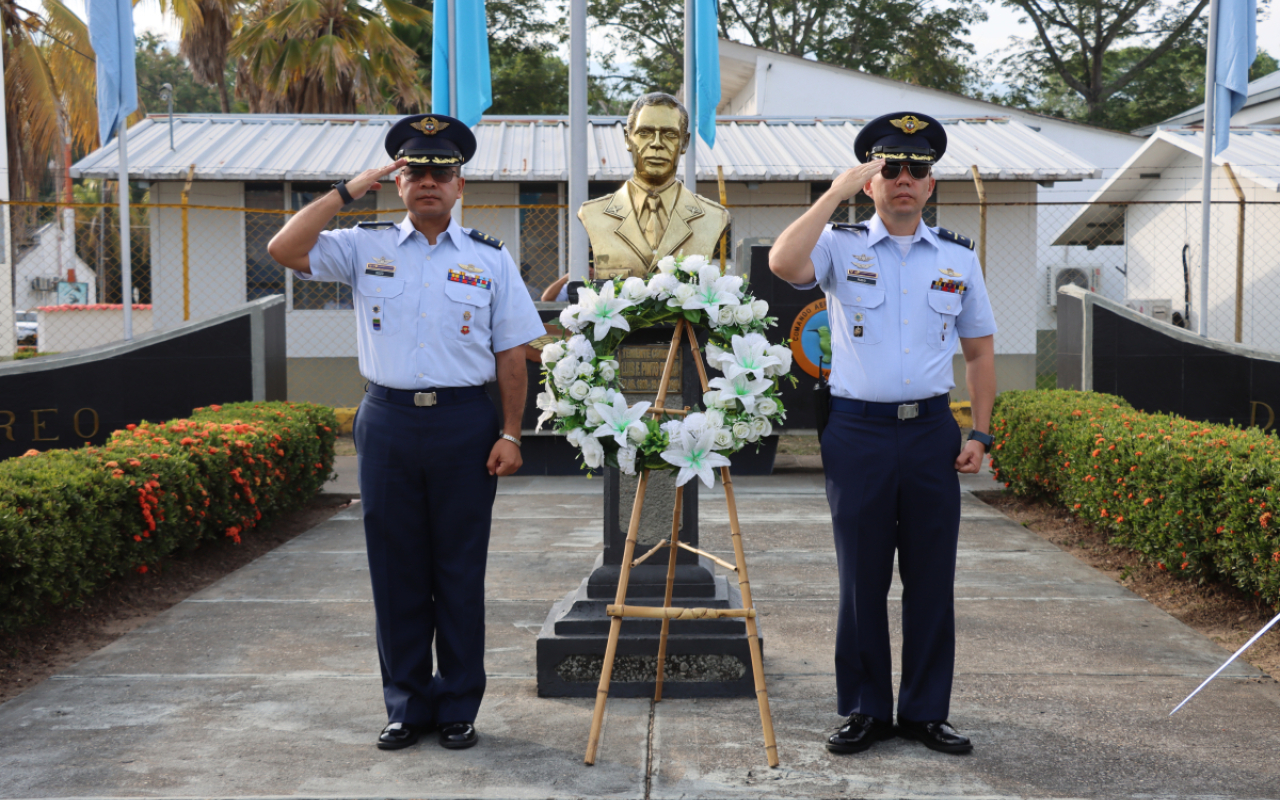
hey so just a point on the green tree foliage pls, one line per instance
(158, 65)
(920, 41)
(1108, 62)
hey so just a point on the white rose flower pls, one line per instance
(637, 434)
(565, 369)
(667, 265)
(742, 430)
(565, 408)
(597, 394)
(761, 426)
(692, 264)
(671, 428)
(552, 353)
(708, 275)
(743, 314)
(634, 288)
(607, 370)
(766, 406)
(576, 436)
(711, 398)
(759, 309)
(592, 452)
(579, 390)
(585, 370)
(627, 460)
(661, 286)
(695, 424)
(569, 318)
(593, 417)
(715, 417)
(684, 291)
(783, 354)
(724, 439)
(580, 348)
(733, 285)
(726, 315)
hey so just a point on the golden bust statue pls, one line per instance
(653, 215)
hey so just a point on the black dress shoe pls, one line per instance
(458, 735)
(859, 733)
(937, 735)
(398, 735)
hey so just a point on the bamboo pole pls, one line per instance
(661, 399)
(186, 248)
(666, 600)
(753, 639)
(664, 613)
(704, 553)
(615, 624)
(645, 557)
(982, 220)
(1239, 251)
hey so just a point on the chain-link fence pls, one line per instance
(190, 262)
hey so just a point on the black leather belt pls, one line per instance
(433, 397)
(913, 410)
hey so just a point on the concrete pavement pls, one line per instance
(265, 685)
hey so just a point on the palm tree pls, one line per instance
(328, 57)
(207, 29)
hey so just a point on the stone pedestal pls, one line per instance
(705, 658)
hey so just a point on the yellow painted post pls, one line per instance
(186, 250)
(982, 220)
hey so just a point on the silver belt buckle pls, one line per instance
(909, 411)
(421, 399)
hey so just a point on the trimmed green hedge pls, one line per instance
(72, 519)
(1196, 499)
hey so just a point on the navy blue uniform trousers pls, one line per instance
(428, 502)
(892, 486)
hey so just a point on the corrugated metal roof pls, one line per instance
(1252, 152)
(323, 148)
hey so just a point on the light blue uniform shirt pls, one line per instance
(894, 322)
(427, 317)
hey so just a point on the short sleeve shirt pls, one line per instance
(895, 319)
(427, 316)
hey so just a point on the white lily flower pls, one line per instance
(741, 388)
(750, 356)
(710, 398)
(710, 296)
(543, 417)
(696, 457)
(671, 428)
(552, 353)
(618, 419)
(713, 355)
(592, 452)
(545, 400)
(605, 312)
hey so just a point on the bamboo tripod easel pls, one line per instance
(666, 613)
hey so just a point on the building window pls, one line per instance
(860, 208)
(262, 275)
(325, 295)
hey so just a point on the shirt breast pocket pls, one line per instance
(944, 308)
(863, 308)
(466, 314)
(381, 301)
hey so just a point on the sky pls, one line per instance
(988, 38)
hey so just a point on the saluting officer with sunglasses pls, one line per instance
(899, 295)
(441, 310)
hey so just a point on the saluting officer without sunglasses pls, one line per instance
(441, 310)
(899, 296)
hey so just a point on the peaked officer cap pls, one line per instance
(431, 140)
(902, 136)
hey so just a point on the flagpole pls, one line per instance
(126, 275)
(8, 340)
(1206, 202)
(690, 98)
(577, 267)
(453, 58)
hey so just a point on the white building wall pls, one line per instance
(49, 259)
(215, 251)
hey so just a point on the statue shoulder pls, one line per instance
(598, 204)
(954, 238)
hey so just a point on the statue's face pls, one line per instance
(656, 143)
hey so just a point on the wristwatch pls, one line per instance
(984, 439)
(511, 439)
(341, 187)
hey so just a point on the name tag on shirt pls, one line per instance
(458, 276)
(955, 287)
(380, 268)
(862, 276)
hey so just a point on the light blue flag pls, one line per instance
(706, 67)
(1237, 32)
(475, 87)
(111, 34)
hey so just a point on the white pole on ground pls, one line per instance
(1206, 202)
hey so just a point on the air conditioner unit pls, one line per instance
(1086, 278)
(44, 284)
(1160, 310)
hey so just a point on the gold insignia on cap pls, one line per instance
(430, 126)
(909, 124)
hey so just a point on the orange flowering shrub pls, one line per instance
(1193, 497)
(72, 519)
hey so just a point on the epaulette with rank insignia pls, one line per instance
(856, 227)
(952, 236)
(485, 238)
(376, 226)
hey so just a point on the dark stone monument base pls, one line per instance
(705, 658)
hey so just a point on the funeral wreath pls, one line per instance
(580, 372)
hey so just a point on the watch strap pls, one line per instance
(341, 187)
(984, 439)
(511, 439)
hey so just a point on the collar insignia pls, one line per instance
(909, 124)
(950, 273)
(470, 268)
(430, 126)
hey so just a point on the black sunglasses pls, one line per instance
(440, 175)
(891, 171)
